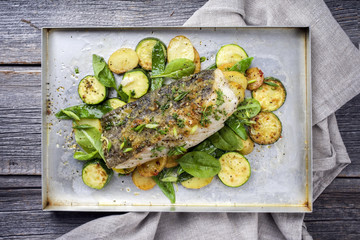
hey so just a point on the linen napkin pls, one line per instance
(335, 80)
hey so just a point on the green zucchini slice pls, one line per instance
(230, 53)
(144, 51)
(267, 128)
(235, 169)
(115, 103)
(91, 91)
(135, 83)
(271, 95)
(95, 174)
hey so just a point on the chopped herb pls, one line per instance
(108, 125)
(202, 59)
(163, 131)
(120, 123)
(152, 125)
(220, 97)
(132, 93)
(124, 143)
(205, 116)
(156, 149)
(193, 129)
(180, 95)
(251, 81)
(177, 150)
(77, 70)
(128, 150)
(180, 122)
(175, 132)
(164, 107)
(108, 143)
(271, 84)
(139, 128)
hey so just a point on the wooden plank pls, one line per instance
(22, 20)
(20, 120)
(335, 212)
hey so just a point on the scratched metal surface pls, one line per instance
(280, 179)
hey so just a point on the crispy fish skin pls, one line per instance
(183, 113)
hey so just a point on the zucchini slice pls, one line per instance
(271, 95)
(135, 83)
(91, 91)
(197, 61)
(235, 169)
(230, 53)
(180, 47)
(267, 128)
(255, 78)
(196, 183)
(95, 174)
(123, 60)
(115, 103)
(144, 51)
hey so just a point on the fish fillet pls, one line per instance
(183, 113)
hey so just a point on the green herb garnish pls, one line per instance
(180, 122)
(271, 84)
(177, 150)
(220, 97)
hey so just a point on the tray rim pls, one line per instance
(300, 208)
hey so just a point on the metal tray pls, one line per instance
(281, 179)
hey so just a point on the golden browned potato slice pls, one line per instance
(226, 66)
(248, 146)
(143, 183)
(123, 60)
(152, 168)
(197, 62)
(180, 47)
(171, 161)
(255, 78)
(196, 183)
(237, 82)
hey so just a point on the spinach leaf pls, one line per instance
(82, 156)
(102, 72)
(205, 146)
(93, 136)
(237, 126)
(213, 66)
(177, 68)
(200, 164)
(158, 65)
(168, 175)
(242, 65)
(167, 188)
(70, 115)
(85, 111)
(249, 108)
(122, 95)
(226, 140)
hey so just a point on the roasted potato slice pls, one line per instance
(152, 168)
(197, 62)
(255, 78)
(196, 183)
(248, 146)
(180, 47)
(171, 161)
(141, 182)
(123, 60)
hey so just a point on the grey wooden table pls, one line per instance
(336, 213)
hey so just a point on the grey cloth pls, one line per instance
(335, 77)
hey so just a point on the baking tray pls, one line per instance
(281, 179)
